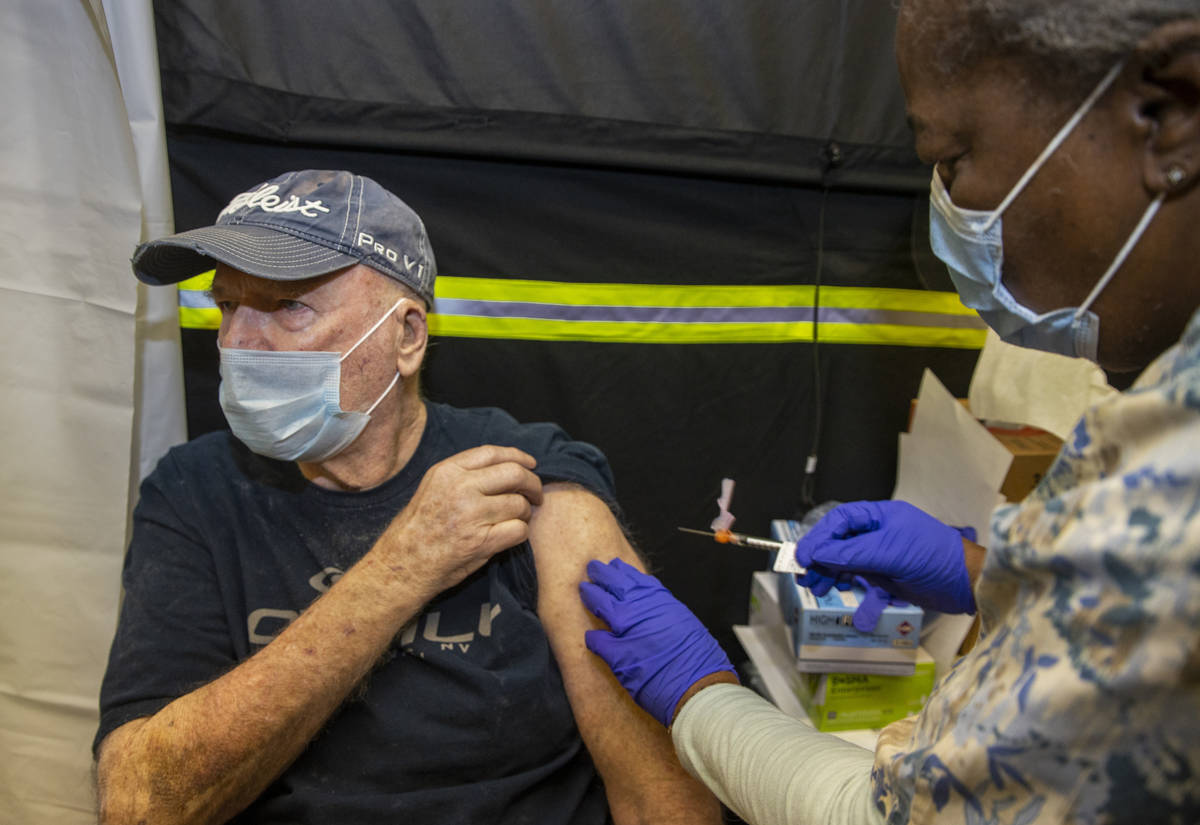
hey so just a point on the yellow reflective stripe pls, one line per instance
(906, 300)
(552, 293)
(199, 283)
(466, 326)
(797, 295)
(199, 317)
(200, 314)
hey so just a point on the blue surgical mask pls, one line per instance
(287, 405)
(969, 242)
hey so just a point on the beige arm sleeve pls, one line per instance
(768, 767)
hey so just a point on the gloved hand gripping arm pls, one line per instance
(761, 763)
(655, 646)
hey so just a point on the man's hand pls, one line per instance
(656, 647)
(466, 509)
(895, 546)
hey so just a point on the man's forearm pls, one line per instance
(210, 753)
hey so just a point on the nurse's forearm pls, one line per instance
(974, 555)
(770, 768)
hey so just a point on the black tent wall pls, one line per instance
(700, 183)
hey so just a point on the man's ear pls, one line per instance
(413, 335)
(1170, 105)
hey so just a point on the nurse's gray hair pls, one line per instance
(1074, 41)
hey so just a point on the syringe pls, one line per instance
(785, 558)
(739, 539)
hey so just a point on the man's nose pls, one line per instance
(245, 328)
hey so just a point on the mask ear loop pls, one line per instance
(1054, 143)
(395, 378)
(1130, 242)
(377, 325)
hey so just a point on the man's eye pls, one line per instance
(292, 306)
(220, 303)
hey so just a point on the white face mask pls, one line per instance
(287, 405)
(969, 242)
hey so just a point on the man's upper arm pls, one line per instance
(631, 750)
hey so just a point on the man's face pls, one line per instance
(984, 129)
(329, 313)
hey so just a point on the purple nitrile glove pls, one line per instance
(817, 582)
(656, 647)
(897, 547)
(866, 616)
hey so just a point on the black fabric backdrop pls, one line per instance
(689, 143)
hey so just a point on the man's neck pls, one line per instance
(378, 454)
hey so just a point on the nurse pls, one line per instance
(1065, 141)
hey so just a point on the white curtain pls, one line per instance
(83, 181)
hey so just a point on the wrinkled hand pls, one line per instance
(467, 508)
(656, 647)
(894, 546)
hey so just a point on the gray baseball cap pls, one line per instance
(301, 225)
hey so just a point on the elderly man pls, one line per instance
(360, 606)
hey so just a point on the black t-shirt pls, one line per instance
(465, 721)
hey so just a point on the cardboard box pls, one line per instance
(1033, 451)
(849, 701)
(824, 638)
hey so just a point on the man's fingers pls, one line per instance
(488, 454)
(506, 507)
(508, 477)
(506, 534)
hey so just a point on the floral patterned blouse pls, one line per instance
(1081, 700)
